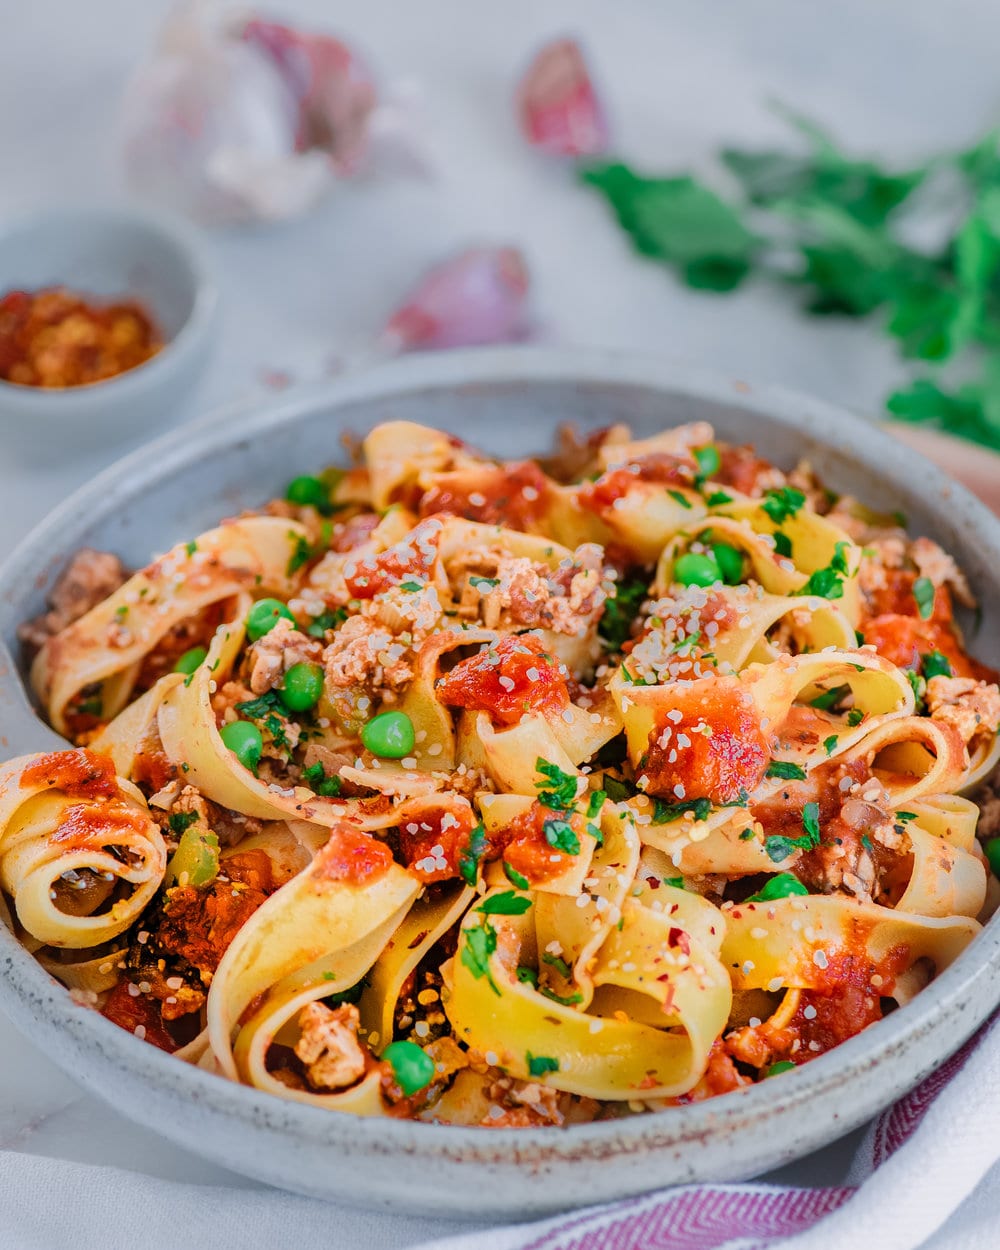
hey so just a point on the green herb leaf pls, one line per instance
(664, 812)
(560, 965)
(562, 796)
(468, 860)
(786, 769)
(830, 743)
(479, 945)
(934, 664)
(621, 610)
(560, 834)
(506, 904)
(680, 222)
(678, 498)
(515, 878)
(567, 1000)
(539, 1065)
(782, 503)
(316, 779)
(923, 592)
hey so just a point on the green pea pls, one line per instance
(730, 562)
(389, 735)
(303, 687)
(709, 460)
(992, 849)
(190, 660)
(781, 886)
(692, 569)
(244, 740)
(776, 1069)
(308, 490)
(263, 617)
(411, 1065)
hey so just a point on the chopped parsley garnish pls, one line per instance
(854, 717)
(676, 882)
(828, 583)
(779, 847)
(781, 503)
(664, 812)
(468, 861)
(934, 664)
(412, 587)
(620, 611)
(301, 553)
(315, 777)
(191, 547)
(325, 621)
(506, 904)
(514, 877)
(483, 584)
(560, 965)
(781, 886)
(567, 1000)
(527, 976)
(717, 498)
(786, 769)
(782, 544)
(830, 743)
(904, 816)
(923, 592)
(678, 498)
(94, 706)
(866, 842)
(829, 698)
(595, 832)
(262, 706)
(919, 688)
(595, 803)
(479, 945)
(539, 1065)
(776, 1069)
(560, 834)
(121, 613)
(179, 822)
(709, 463)
(562, 796)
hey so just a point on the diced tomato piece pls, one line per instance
(514, 676)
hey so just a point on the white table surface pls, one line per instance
(679, 77)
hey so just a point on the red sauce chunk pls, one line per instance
(413, 557)
(525, 843)
(433, 841)
(660, 468)
(352, 533)
(514, 676)
(352, 857)
(514, 495)
(904, 639)
(80, 773)
(199, 923)
(743, 470)
(153, 769)
(711, 746)
(90, 825)
(137, 1011)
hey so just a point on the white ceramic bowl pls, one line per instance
(109, 252)
(509, 401)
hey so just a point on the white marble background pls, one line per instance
(680, 76)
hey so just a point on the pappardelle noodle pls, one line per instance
(509, 793)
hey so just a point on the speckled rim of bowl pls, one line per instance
(46, 402)
(515, 1173)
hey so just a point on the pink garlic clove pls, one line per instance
(557, 103)
(475, 298)
(332, 86)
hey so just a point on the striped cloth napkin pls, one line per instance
(924, 1176)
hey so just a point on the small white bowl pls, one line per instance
(109, 252)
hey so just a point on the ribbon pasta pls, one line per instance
(511, 793)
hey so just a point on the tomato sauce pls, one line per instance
(904, 639)
(660, 468)
(516, 675)
(422, 834)
(514, 495)
(352, 856)
(371, 575)
(742, 469)
(524, 845)
(153, 769)
(132, 1011)
(81, 774)
(352, 533)
(715, 748)
(98, 824)
(199, 923)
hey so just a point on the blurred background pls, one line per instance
(896, 80)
